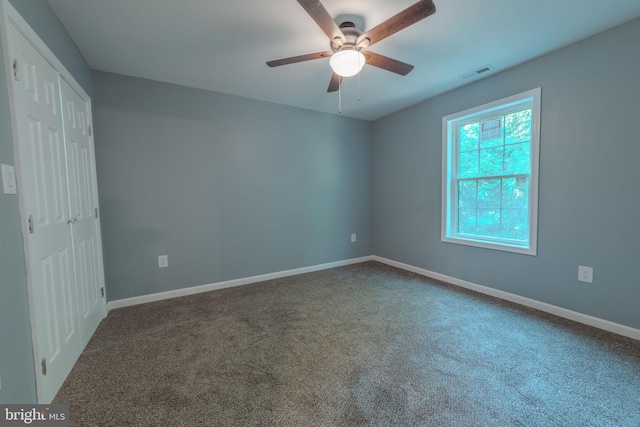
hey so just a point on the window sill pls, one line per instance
(504, 247)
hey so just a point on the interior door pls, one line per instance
(83, 200)
(44, 190)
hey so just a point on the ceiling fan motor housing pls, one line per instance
(351, 34)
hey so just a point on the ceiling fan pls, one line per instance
(347, 41)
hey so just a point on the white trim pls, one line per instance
(527, 302)
(524, 301)
(450, 145)
(7, 9)
(126, 302)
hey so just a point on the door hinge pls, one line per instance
(96, 211)
(44, 366)
(102, 291)
(30, 224)
(89, 130)
(16, 70)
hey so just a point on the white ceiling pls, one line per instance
(223, 45)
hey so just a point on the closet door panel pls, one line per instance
(83, 202)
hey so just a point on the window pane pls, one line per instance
(468, 164)
(489, 193)
(466, 221)
(469, 135)
(491, 161)
(488, 222)
(515, 192)
(467, 194)
(517, 158)
(518, 126)
(515, 224)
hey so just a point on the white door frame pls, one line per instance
(10, 16)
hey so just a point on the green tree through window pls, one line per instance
(496, 206)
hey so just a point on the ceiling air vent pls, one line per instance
(477, 72)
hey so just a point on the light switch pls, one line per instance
(9, 180)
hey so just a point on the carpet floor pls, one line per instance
(362, 345)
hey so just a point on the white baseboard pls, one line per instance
(126, 302)
(528, 302)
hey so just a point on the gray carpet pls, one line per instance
(362, 345)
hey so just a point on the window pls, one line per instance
(490, 174)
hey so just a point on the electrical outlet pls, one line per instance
(585, 274)
(353, 237)
(163, 261)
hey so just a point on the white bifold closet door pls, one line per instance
(56, 172)
(83, 205)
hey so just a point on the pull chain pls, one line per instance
(339, 95)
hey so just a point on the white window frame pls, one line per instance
(450, 146)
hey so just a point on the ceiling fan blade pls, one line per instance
(334, 83)
(402, 20)
(300, 58)
(325, 21)
(387, 63)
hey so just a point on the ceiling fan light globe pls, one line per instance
(347, 63)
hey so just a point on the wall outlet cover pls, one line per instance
(163, 261)
(585, 274)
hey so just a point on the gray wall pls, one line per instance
(589, 194)
(227, 187)
(16, 355)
